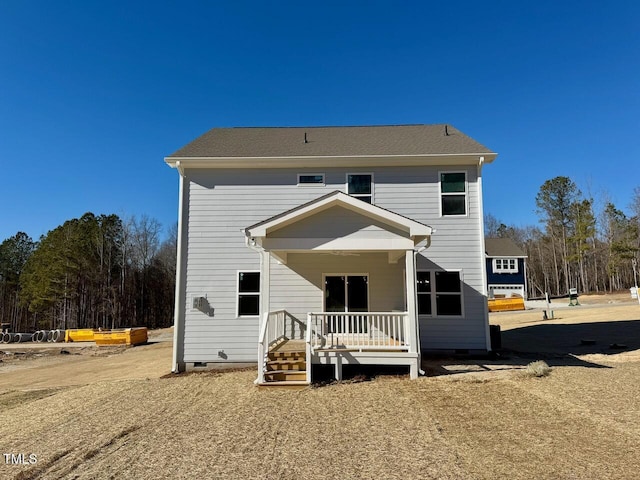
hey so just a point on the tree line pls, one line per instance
(577, 245)
(96, 271)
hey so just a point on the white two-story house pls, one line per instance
(329, 245)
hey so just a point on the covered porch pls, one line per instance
(289, 347)
(337, 287)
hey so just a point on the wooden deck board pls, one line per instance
(289, 346)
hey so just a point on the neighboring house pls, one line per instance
(329, 245)
(506, 268)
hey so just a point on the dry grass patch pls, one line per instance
(219, 425)
(484, 422)
(511, 430)
(538, 369)
(14, 398)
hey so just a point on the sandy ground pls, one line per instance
(36, 366)
(603, 330)
(116, 415)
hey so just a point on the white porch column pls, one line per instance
(412, 311)
(265, 283)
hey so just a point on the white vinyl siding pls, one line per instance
(225, 201)
(298, 286)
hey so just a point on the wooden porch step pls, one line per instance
(287, 355)
(287, 364)
(290, 384)
(285, 375)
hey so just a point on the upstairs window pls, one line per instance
(453, 193)
(311, 179)
(505, 265)
(360, 185)
(248, 294)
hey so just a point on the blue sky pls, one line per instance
(93, 95)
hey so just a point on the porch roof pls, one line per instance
(337, 222)
(338, 199)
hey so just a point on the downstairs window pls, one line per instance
(248, 294)
(439, 292)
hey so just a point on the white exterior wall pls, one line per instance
(456, 245)
(223, 202)
(301, 295)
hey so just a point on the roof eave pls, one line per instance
(331, 160)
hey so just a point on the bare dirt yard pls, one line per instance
(101, 414)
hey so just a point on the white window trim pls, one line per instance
(433, 293)
(360, 195)
(505, 270)
(466, 192)
(258, 293)
(351, 274)
(322, 184)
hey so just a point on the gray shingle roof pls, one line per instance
(331, 141)
(502, 247)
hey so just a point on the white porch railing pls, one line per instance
(361, 331)
(281, 325)
(379, 331)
